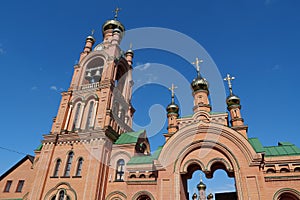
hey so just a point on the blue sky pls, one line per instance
(256, 41)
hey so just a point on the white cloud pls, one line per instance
(143, 67)
(34, 88)
(2, 51)
(53, 87)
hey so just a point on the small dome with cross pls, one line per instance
(199, 83)
(114, 23)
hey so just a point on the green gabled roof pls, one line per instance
(145, 159)
(283, 148)
(129, 137)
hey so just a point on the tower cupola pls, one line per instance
(172, 107)
(172, 114)
(200, 90)
(89, 42)
(234, 107)
(194, 197)
(210, 196)
(201, 186)
(129, 55)
(113, 26)
(231, 100)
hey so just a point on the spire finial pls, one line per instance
(92, 32)
(197, 65)
(130, 46)
(172, 88)
(229, 78)
(116, 11)
(200, 177)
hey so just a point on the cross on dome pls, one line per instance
(172, 89)
(197, 65)
(92, 32)
(116, 11)
(229, 78)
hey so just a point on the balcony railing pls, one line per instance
(90, 86)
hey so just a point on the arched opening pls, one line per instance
(284, 170)
(57, 167)
(287, 196)
(68, 164)
(297, 169)
(93, 71)
(143, 197)
(270, 171)
(120, 170)
(142, 176)
(218, 182)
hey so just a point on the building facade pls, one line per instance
(92, 152)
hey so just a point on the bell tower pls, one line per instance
(92, 114)
(103, 75)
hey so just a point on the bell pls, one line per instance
(88, 75)
(97, 74)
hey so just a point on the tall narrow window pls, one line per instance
(7, 186)
(79, 167)
(69, 163)
(120, 170)
(89, 117)
(56, 169)
(76, 118)
(20, 185)
(61, 195)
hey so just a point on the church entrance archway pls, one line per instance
(217, 182)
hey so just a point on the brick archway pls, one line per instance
(287, 194)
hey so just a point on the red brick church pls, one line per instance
(92, 153)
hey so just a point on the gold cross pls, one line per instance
(229, 78)
(173, 91)
(197, 64)
(117, 10)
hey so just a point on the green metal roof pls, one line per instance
(11, 199)
(211, 113)
(283, 148)
(39, 147)
(129, 137)
(145, 159)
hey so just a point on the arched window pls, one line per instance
(69, 163)
(269, 171)
(297, 169)
(144, 197)
(284, 170)
(79, 167)
(120, 170)
(133, 176)
(57, 166)
(142, 176)
(76, 118)
(93, 71)
(61, 195)
(89, 116)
